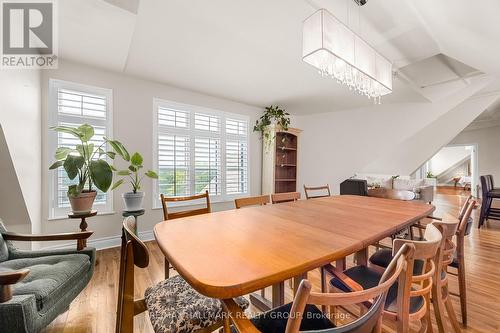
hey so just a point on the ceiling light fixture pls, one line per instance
(337, 52)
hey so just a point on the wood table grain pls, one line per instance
(232, 253)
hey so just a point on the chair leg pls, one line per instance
(167, 269)
(463, 291)
(439, 309)
(428, 319)
(451, 315)
(227, 324)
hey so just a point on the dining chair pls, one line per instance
(260, 200)
(440, 293)
(285, 197)
(185, 213)
(489, 193)
(311, 190)
(172, 304)
(301, 315)
(409, 299)
(458, 262)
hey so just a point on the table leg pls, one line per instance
(278, 298)
(361, 257)
(278, 294)
(296, 282)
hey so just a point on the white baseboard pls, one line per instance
(105, 242)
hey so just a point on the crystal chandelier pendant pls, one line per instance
(337, 52)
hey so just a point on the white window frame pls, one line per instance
(53, 119)
(193, 133)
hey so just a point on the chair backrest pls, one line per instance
(260, 200)
(446, 251)
(464, 207)
(414, 284)
(324, 191)
(285, 197)
(133, 253)
(465, 219)
(367, 322)
(491, 183)
(485, 186)
(185, 213)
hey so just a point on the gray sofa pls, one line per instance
(54, 278)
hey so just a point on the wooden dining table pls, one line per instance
(236, 252)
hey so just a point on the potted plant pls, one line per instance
(85, 162)
(133, 200)
(273, 115)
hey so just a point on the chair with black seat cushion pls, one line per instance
(409, 299)
(489, 193)
(458, 262)
(38, 286)
(302, 316)
(172, 304)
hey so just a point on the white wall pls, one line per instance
(488, 149)
(383, 139)
(133, 125)
(447, 157)
(20, 117)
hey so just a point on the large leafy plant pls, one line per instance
(86, 160)
(272, 115)
(132, 173)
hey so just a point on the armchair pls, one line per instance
(37, 286)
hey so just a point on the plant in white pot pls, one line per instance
(85, 163)
(133, 200)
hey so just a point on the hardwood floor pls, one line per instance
(94, 309)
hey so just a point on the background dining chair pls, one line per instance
(409, 299)
(489, 193)
(260, 200)
(312, 191)
(185, 213)
(284, 197)
(458, 262)
(166, 301)
(301, 315)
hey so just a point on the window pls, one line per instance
(199, 150)
(72, 104)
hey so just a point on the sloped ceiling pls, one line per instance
(250, 51)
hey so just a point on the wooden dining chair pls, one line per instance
(440, 293)
(312, 191)
(409, 299)
(185, 213)
(260, 200)
(285, 197)
(172, 304)
(301, 315)
(458, 262)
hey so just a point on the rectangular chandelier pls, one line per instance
(337, 52)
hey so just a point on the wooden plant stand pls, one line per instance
(82, 243)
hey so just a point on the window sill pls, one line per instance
(57, 218)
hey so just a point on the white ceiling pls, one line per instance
(250, 51)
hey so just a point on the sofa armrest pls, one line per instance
(12, 236)
(427, 193)
(8, 278)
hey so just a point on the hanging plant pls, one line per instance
(273, 115)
